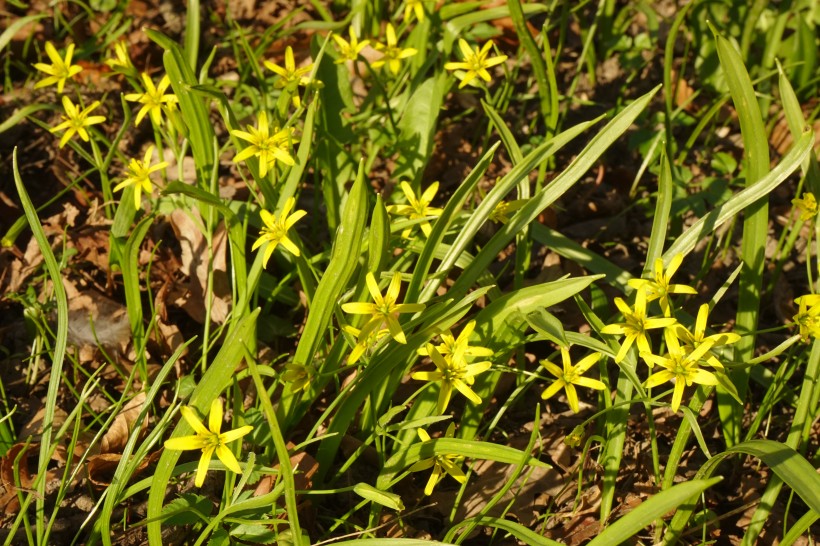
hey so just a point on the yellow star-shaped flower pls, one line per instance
(268, 148)
(392, 53)
(210, 440)
(635, 325)
(384, 311)
(349, 51)
(692, 340)
(571, 375)
(807, 206)
(59, 70)
(414, 7)
(153, 99)
(452, 372)
(417, 207)
(290, 76)
(661, 286)
(681, 366)
(275, 230)
(451, 345)
(76, 121)
(475, 62)
(441, 464)
(139, 175)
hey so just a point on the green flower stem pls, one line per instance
(108, 195)
(286, 470)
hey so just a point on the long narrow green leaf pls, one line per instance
(732, 207)
(660, 220)
(55, 375)
(786, 463)
(651, 509)
(480, 215)
(194, 112)
(517, 530)
(450, 446)
(443, 223)
(553, 191)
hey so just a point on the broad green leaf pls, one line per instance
(417, 127)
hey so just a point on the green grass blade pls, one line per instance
(734, 205)
(192, 44)
(443, 223)
(800, 526)
(60, 342)
(755, 226)
(343, 262)
(553, 191)
(660, 220)
(450, 446)
(194, 112)
(651, 509)
(517, 530)
(213, 382)
(496, 195)
(536, 57)
(589, 260)
(785, 462)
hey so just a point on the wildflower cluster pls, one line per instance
(689, 356)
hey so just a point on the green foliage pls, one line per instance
(476, 279)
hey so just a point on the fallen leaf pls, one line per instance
(123, 425)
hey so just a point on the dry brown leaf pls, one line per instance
(195, 258)
(95, 320)
(117, 435)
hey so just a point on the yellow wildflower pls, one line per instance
(209, 440)
(660, 287)
(384, 310)
(275, 231)
(59, 70)
(76, 121)
(807, 206)
(693, 340)
(298, 375)
(502, 211)
(808, 316)
(363, 343)
(290, 76)
(570, 376)
(680, 366)
(635, 325)
(454, 373)
(268, 148)
(417, 207)
(475, 63)
(349, 51)
(392, 53)
(451, 345)
(139, 175)
(152, 99)
(440, 464)
(121, 61)
(413, 6)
